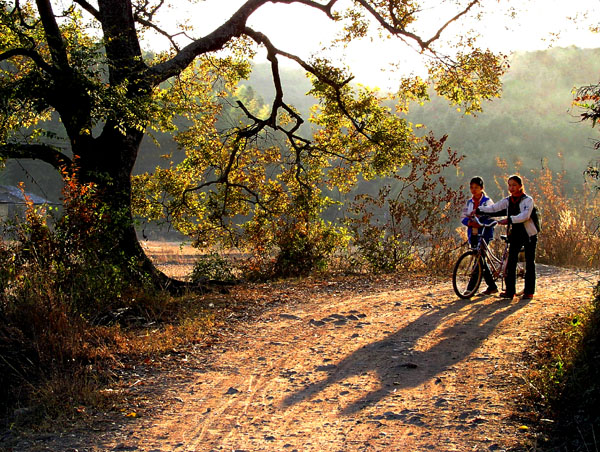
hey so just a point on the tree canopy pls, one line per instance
(83, 62)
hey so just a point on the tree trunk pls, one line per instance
(109, 165)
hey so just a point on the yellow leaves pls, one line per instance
(129, 414)
(411, 89)
(473, 78)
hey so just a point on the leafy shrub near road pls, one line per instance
(411, 221)
(58, 289)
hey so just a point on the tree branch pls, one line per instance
(232, 28)
(272, 53)
(53, 35)
(36, 57)
(45, 153)
(455, 18)
(395, 30)
(142, 10)
(89, 8)
(298, 143)
(19, 12)
(211, 42)
(149, 24)
(325, 8)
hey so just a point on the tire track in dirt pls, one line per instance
(411, 368)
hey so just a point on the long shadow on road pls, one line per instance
(459, 328)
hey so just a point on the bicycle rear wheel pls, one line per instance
(466, 276)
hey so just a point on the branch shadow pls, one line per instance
(456, 342)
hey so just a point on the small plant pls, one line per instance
(212, 267)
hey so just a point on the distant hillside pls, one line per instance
(532, 121)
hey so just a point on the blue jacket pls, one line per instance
(468, 209)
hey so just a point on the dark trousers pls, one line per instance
(487, 274)
(530, 244)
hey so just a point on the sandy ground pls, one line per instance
(346, 365)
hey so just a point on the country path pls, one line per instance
(404, 366)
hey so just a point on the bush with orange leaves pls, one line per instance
(56, 283)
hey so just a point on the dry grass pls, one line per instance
(174, 258)
(563, 383)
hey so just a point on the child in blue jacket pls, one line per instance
(477, 200)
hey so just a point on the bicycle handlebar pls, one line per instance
(488, 225)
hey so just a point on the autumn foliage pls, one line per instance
(408, 224)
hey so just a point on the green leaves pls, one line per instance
(359, 133)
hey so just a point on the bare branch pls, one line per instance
(455, 18)
(147, 13)
(232, 28)
(395, 30)
(325, 8)
(89, 8)
(211, 42)
(159, 30)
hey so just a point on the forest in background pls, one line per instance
(531, 127)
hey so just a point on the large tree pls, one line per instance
(82, 61)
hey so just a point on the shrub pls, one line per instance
(408, 222)
(564, 382)
(294, 243)
(304, 246)
(57, 280)
(212, 267)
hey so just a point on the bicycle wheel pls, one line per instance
(467, 273)
(520, 281)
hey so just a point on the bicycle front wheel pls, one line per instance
(466, 276)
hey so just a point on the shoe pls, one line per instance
(489, 291)
(527, 296)
(506, 295)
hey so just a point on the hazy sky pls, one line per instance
(537, 24)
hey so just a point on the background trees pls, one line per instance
(83, 62)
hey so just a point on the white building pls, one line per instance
(12, 202)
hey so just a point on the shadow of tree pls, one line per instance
(459, 327)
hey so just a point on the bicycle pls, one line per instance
(468, 270)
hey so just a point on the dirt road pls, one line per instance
(403, 366)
